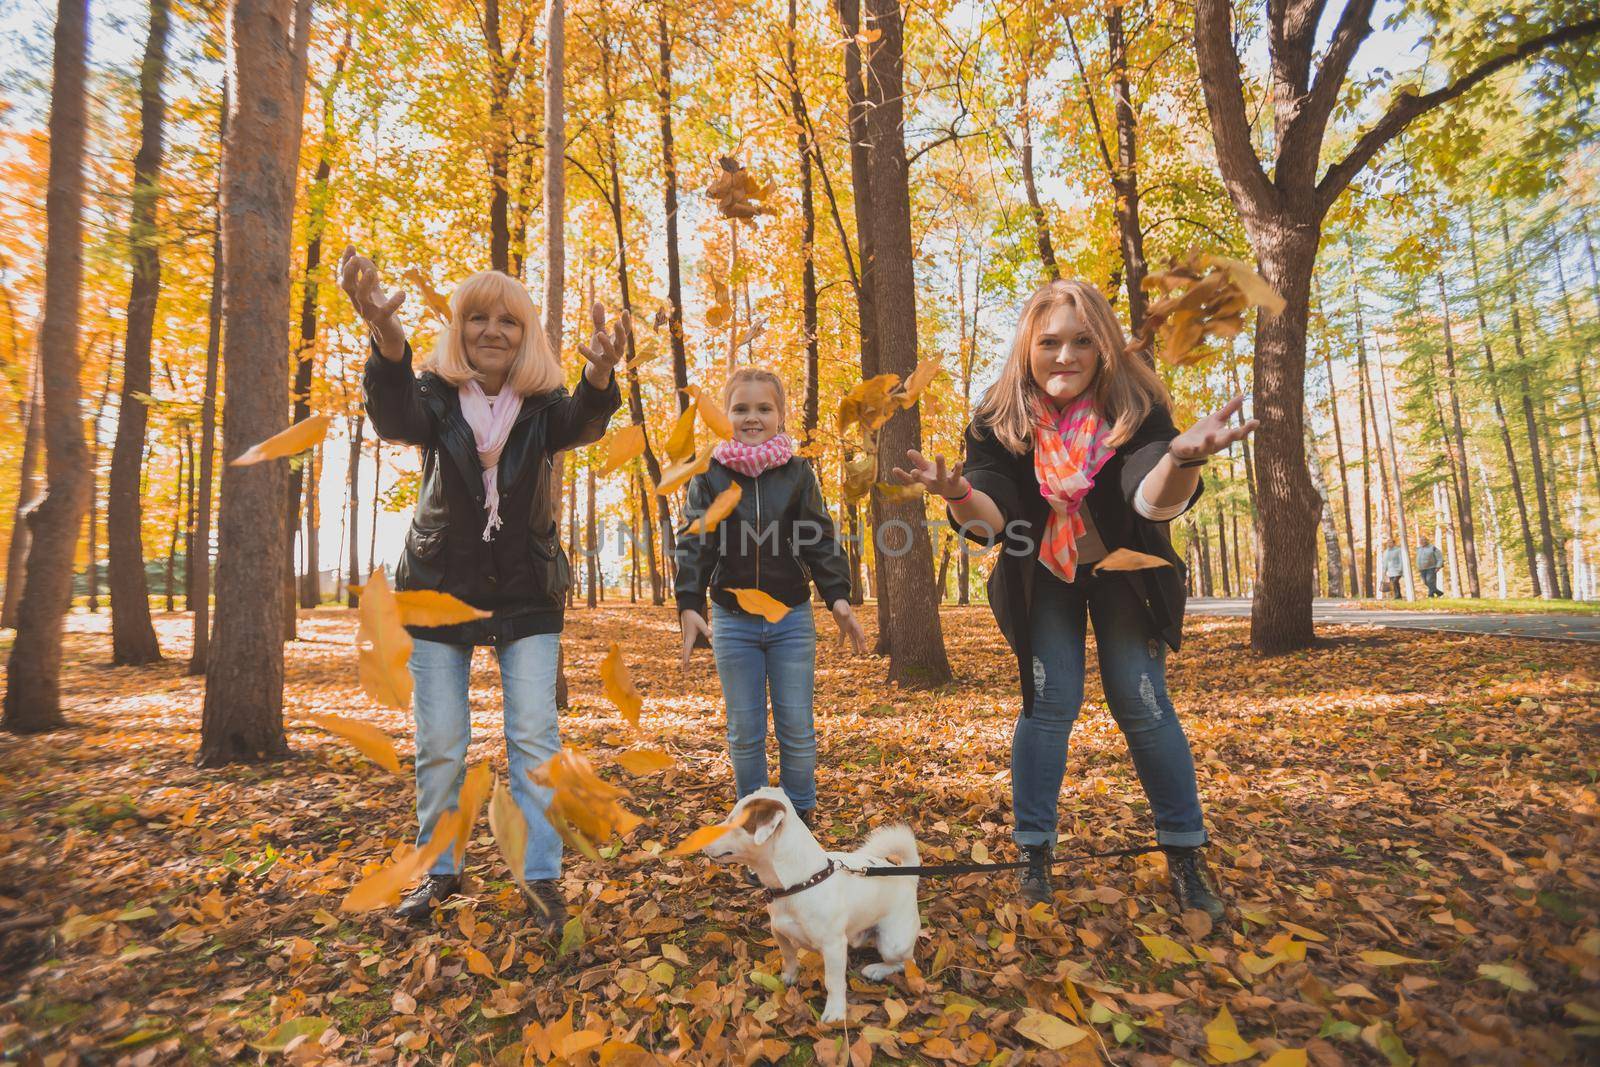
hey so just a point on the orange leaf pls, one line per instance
(297, 438)
(429, 607)
(1125, 559)
(385, 647)
(622, 445)
(920, 379)
(372, 742)
(710, 413)
(707, 834)
(676, 474)
(436, 303)
(475, 789)
(618, 687)
(680, 442)
(720, 509)
(478, 963)
(583, 806)
(510, 830)
(641, 761)
(383, 887)
(758, 603)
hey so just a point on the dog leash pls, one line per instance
(1009, 865)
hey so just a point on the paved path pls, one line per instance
(1544, 627)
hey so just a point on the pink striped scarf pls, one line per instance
(491, 419)
(1070, 447)
(751, 460)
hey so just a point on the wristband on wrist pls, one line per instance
(963, 498)
(1199, 461)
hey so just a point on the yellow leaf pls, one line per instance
(584, 808)
(1252, 285)
(720, 509)
(680, 442)
(900, 494)
(475, 789)
(1223, 1042)
(920, 379)
(429, 607)
(860, 468)
(436, 303)
(1286, 1057)
(580, 1042)
(1050, 1031)
(478, 963)
(510, 830)
(372, 742)
(710, 412)
(1303, 931)
(707, 834)
(622, 446)
(617, 685)
(868, 35)
(297, 438)
(758, 603)
(1125, 559)
(721, 310)
(1509, 975)
(385, 647)
(676, 474)
(870, 403)
(1286, 946)
(1164, 949)
(382, 888)
(1380, 958)
(641, 761)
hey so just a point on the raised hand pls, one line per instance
(932, 475)
(1213, 433)
(604, 351)
(358, 276)
(694, 628)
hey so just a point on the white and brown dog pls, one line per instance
(818, 900)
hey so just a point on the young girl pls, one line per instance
(1072, 455)
(488, 412)
(778, 536)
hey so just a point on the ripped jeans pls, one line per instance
(1133, 673)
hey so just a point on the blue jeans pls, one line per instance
(444, 729)
(1134, 674)
(753, 656)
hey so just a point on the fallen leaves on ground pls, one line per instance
(1423, 795)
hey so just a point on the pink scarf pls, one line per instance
(491, 419)
(751, 460)
(1069, 450)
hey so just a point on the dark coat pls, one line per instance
(777, 539)
(1009, 481)
(522, 574)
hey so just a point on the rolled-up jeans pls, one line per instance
(440, 675)
(1133, 673)
(755, 656)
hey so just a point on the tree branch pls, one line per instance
(1409, 106)
(1303, 133)
(1241, 168)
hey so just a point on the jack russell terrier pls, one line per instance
(818, 900)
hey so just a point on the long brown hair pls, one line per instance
(1124, 387)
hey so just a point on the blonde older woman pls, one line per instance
(489, 412)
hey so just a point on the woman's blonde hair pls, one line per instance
(534, 369)
(749, 375)
(1124, 387)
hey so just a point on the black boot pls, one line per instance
(1191, 882)
(1036, 884)
(808, 816)
(418, 904)
(546, 906)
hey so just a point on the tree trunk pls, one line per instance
(808, 237)
(32, 443)
(1579, 354)
(1206, 588)
(243, 716)
(311, 581)
(1222, 552)
(33, 678)
(669, 172)
(591, 552)
(188, 520)
(1344, 473)
(353, 574)
(208, 435)
(1406, 557)
(92, 569)
(1041, 221)
(372, 524)
(1469, 543)
(1330, 533)
(1125, 178)
(555, 258)
(500, 74)
(916, 643)
(133, 637)
(171, 573)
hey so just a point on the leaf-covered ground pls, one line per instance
(1406, 825)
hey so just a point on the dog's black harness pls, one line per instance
(800, 887)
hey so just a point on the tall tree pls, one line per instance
(916, 638)
(133, 636)
(33, 675)
(242, 719)
(32, 443)
(555, 249)
(1458, 445)
(808, 232)
(669, 194)
(200, 594)
(1579, 358)
(1283, 206)
(353, 481)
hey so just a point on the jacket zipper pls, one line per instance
(757, 481)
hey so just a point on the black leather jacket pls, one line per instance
(522, 574)
(778, 538)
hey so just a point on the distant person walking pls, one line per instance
(1429, 560)
(1393, 565)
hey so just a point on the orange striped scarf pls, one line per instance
(1069, 449)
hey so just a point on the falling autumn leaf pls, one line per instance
(622, 445)
(719, 509)
(430, 296)
(1126, 559)
(707, 834)
(584, 808)
(675, 475)
(711, 413)
(680, 442)
(869, 403)
(510, 830)
(368, 739)
(617, 685)
(642, 761)
(296, 439)
(382, 888)
(475, 788)
(924, 374)
(1223, 1042)
(721, 311)
(385, 647)
(901, 493)
(758, 603)
(430, 607)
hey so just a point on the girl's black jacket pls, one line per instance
(522, 574)
(779, 537)
(1009, 480)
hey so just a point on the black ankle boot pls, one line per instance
(1191, 882)
(418, 904)
(1036, 884)
(808, 816)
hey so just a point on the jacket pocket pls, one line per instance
(550, 567)
(424, 544)
(420, 566)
